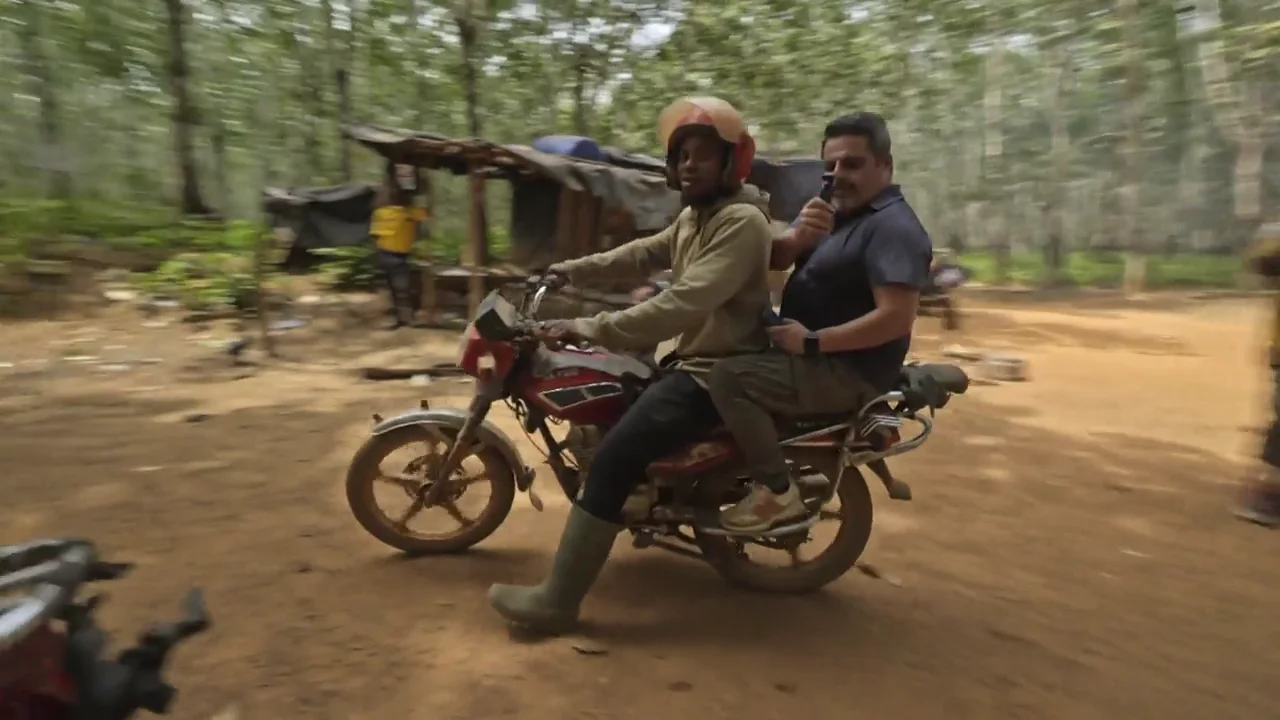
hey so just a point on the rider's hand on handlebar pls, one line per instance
(557, 332)
(554, 278)
(642, 293)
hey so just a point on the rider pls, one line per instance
(718, 250)
(849, 307)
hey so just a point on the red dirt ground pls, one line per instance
(1069, 553)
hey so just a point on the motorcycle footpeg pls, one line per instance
(897, 489)
(534, 500)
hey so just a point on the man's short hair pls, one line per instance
(864, 124)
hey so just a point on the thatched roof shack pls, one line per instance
(562, 206)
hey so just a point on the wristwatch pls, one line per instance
(811, 348)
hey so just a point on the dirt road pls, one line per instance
(1068, 555)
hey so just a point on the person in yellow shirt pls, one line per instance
(394, 228)
(1261, 499)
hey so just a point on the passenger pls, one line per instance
(848, 309)
(718, 251)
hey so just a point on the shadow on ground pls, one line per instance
(1042, 575)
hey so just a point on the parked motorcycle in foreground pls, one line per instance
(51, 664)
(585, 391)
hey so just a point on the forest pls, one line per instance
(1050, 142)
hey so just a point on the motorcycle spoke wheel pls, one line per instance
(806, 560)
(391, 476)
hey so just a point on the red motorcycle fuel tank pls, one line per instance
(576, 386)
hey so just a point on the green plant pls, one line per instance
(1106, 269)
(215, 273)
(353, 267)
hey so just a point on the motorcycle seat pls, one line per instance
(948, 377)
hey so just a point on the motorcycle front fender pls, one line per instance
(454, 418)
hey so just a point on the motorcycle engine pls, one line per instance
(581, 442)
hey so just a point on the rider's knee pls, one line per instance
(724, 382)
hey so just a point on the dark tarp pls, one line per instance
(642, 194)
(323, 217)
(536, 203)
(790, 184)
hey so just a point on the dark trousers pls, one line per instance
(401, 283)
(673, 411)
(1271, 446)
(750, 390)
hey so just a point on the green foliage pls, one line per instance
(30, 219)
(203, 280)
(348, 268)
(1106, 270)
(215, 272)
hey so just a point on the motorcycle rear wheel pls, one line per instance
(366, 468)
(725, 555)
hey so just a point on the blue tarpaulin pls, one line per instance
(572, 146)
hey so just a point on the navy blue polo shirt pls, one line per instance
(884, 243)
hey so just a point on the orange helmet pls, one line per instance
(713, 113)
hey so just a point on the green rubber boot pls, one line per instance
(552, 607)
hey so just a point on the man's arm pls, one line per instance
(636, 258)
(736, 248)
(897, 260)
(784, 250)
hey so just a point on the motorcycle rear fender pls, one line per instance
(453, 418)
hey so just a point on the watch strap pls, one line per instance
(811, 346)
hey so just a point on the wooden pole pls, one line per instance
(474, 251)
(260, 254)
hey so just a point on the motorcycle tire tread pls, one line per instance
(838, 559)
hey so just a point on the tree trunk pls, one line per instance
(220, 160)
(344, 117)
(1238, 109)
(1059, 159)
(342, 77)
(185, 117)
(52, 157)
(580, 91)
(468, 38)
(994, 229)
(1132, 233)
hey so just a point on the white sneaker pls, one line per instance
(763, 509)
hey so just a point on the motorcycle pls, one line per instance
(51, 664)
(585, 391)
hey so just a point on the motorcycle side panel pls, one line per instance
(578, 395)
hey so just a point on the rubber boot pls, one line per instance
(552, 607)
(1260, 500)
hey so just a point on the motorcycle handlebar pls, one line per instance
(55, 581)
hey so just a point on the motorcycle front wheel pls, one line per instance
(369, 473)
(729, 557)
